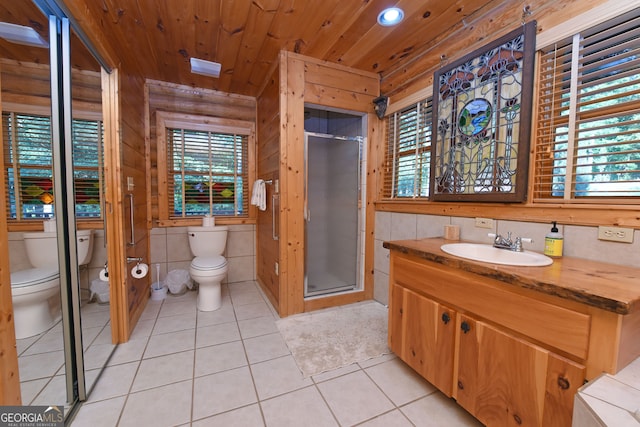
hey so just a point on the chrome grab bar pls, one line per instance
(274, 236)
(132, 242)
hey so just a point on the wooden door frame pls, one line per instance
(9, 373)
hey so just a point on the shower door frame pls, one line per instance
(358, 286)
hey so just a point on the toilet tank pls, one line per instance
(42, 248)
(85, 246)
(207, 241)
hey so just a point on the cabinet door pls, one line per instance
(422, 334)
(505, 381)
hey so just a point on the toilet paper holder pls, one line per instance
(133, 259)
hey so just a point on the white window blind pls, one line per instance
(209, 173)
(408, 153)
(28, 166)
(588, 134)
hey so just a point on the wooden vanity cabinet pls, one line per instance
(422, 334)
(467, 341)
(505, 381)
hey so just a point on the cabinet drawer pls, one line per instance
(556, 326)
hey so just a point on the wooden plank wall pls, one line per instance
(125, 157)
(307, 80)
(268, 139)
(28, 84)
(177, 98)
(406, 85)
(133, 164)
(9, 374)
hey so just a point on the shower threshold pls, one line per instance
(314, 293)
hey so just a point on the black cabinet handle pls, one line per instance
(465, 327)
(446, 318)
(563, 383)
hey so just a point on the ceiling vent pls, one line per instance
(22, 35)
(206, 68)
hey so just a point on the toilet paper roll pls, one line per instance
(208, 221)
(139, 270)
(104, 275)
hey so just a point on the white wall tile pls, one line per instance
(383, 226)
(403, 226)
(431, 226)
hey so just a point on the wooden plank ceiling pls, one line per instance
(157, 38)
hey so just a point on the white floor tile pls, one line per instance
(437, 410)
(221, 392)
(114, 381)
(256, 327)
(394, 418)
(99, 414)
(164, 370)
(278, 376)
(173, 342)
(217, 334)
(130, 351)
(30, 389)
(354, 398)
(43, 365)
(301, 407)
(169, 405)
(174, 309)
(249, 416)
(251, 311)
(224, 314)
(398, 382)
(218, 358)
(54, 393)
(265, 347)
(176, 323)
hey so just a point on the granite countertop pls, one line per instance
(606, 286)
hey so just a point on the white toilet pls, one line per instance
(209, 267)
(35, 291)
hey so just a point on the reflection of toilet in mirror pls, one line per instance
(209, 267)
(36, 291)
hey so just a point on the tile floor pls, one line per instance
(41, 357)
(231, 367)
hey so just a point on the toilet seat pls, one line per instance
(209, 263)
(33, 276)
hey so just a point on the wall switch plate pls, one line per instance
(615, 234)
(484, 223)
(276, 267)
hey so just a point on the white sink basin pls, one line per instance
(487, 253)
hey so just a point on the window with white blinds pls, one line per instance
(408, 153)
(28, 166)
(209, 173)
(588, 132)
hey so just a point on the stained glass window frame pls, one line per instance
(489, 163)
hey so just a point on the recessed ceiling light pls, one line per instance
(206, 68)
(22, 35)
(390, 16)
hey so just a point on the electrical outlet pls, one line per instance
(484, 223)
(615, 234)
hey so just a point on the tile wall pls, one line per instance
(170, 249)
(579, 241)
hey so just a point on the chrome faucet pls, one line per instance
(501, 242)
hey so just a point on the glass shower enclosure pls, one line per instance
(331, 213)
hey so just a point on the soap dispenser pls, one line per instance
(553, 242)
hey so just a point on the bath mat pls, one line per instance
(328, 339)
